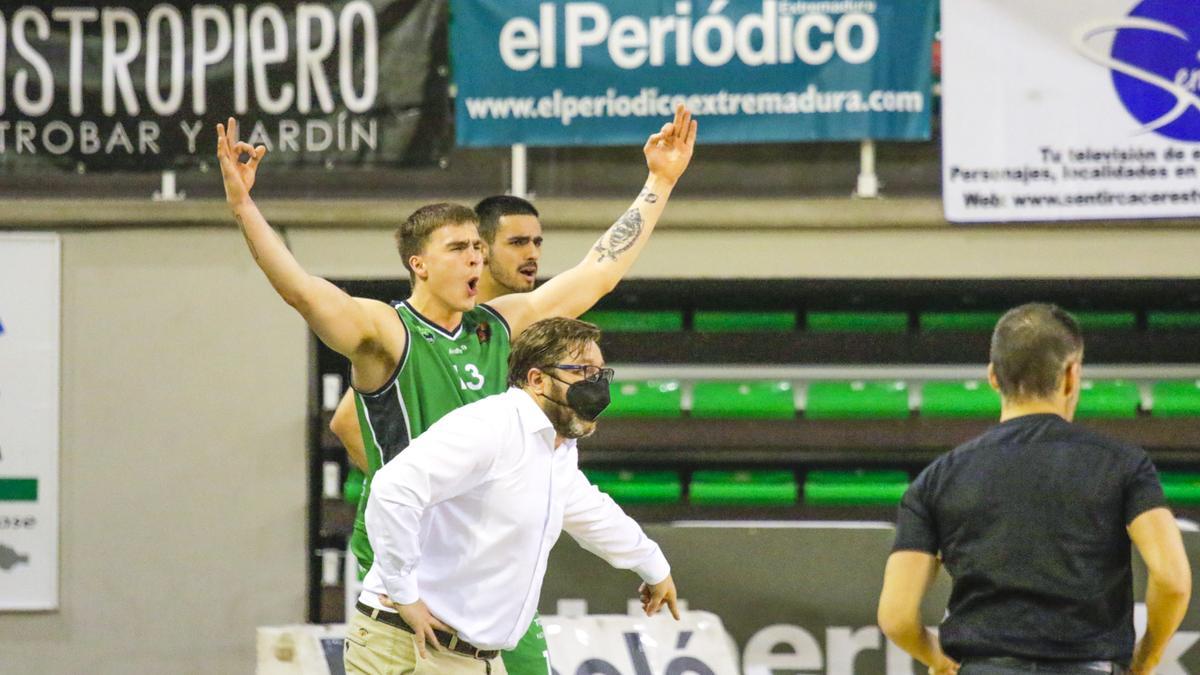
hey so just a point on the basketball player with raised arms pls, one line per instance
(413, 363)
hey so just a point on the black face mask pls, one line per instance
(587, 398)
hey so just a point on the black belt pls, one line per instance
(447, 640)
(1035, 666)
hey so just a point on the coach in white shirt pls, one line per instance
(463, 520)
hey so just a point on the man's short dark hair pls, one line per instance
(547, 343)
(413, 234)
(1030, 347)
(492, 209)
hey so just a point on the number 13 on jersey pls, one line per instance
(472, 371)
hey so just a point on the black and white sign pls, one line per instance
(140, 85)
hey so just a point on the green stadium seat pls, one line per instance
(768, 399)
(857, 400)
(636, 321)
(731, 322)
(1177, 398)
(974, 398)
(973, 321)
(653, 398)
(1173, 320)
(639, 487)
(1181, 488)
(1108, 399)
(1106, 320)
(858, 322)
(743, 488)
(854, 488)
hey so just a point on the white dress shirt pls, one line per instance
(465, 517)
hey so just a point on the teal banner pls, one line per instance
(606, 73)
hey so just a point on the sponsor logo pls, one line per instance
(1155, 65)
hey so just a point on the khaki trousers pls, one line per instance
(375, 648)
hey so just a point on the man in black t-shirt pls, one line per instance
(1033, 521)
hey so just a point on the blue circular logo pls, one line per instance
(1165, 45)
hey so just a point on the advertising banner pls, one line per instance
(1081, 109)
(796, 597)
(696, 645)
(134, 85)
(595, 73)
(29, 401)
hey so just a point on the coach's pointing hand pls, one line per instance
(423, 623)
(654, 595)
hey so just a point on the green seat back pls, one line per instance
(857, 400)
(855, 488)
(636, 321)
(1181, 488)
(731, 322)
(639, 487)
(1111, 399)
(974, 321)
(858, 322)
(1173, 320)
(1177, 398)
(653, 398)
(973, 398)
(767, 399)
(1106, 320)
(732, 488)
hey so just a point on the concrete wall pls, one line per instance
(820, 253)
(182, 521)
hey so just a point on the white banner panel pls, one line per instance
(623, 645)
(29, 399)
(1073, 109)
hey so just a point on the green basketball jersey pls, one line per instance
(440, 371)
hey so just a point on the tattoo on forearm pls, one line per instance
(648, 196)
(242, 226)
(621, 236)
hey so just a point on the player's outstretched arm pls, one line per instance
(574, 292)
(347, 325)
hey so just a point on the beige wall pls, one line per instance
(940, 252)
(183, 477)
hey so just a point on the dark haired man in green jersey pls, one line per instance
(436, 351)
(512, 235)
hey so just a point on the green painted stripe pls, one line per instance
(18, 489)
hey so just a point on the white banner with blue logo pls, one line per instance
(607, 73)
(1071, 110)
(29, 403)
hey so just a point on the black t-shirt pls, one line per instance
(1030, 522)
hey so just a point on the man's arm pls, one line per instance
(573, 292)
(594, 520)
(908, 576)
(451, 457)
(356, 328)
(345, 426)
(1168, 587)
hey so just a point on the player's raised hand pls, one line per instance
(238, 175)
(670, 150)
